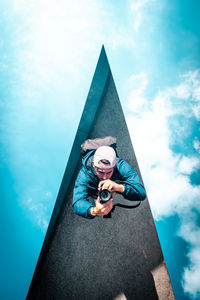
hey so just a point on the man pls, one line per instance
(100, 171)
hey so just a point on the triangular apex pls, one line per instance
(95, 94)
(100, 258)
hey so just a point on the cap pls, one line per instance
(105, 152)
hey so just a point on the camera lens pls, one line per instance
(105, 195)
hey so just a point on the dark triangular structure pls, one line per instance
(101, 258)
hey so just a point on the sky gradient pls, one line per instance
(48, 54)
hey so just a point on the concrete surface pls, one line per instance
(102, 258)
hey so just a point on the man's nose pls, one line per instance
(105, 176)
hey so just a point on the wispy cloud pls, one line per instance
(190, 231)
(166, 173)
(50, 34)
(55, 44)
(38, 208)
(196, 144)
(137, 7)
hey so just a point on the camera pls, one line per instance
(105, 195)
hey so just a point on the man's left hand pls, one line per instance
(111, 186)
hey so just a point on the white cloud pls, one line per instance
(187, 165)
(138, 83)
(190, 231)
(54, 32)
(182, 91)
(137, 7)
(189, 89)
(191, 275)
(38, 208)
(165, 173)
(196, 144)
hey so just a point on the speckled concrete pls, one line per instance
(102, 258)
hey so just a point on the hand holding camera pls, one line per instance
(102, 209)
(108, 186)
(104, 204)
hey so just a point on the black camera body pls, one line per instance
(105, 195)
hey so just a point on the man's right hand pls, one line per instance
(102, 209)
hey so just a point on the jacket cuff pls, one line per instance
(89, 213)
(125, 189)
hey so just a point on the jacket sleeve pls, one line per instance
(137, 192)
(81, 205)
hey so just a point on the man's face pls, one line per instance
(103, 174)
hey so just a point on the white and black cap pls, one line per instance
(105, 153)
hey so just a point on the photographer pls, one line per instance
(101, 168)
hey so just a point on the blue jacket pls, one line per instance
(87, 184)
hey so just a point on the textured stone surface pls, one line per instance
(102, 258)
(162, 282)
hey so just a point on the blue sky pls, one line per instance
(48, 53)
